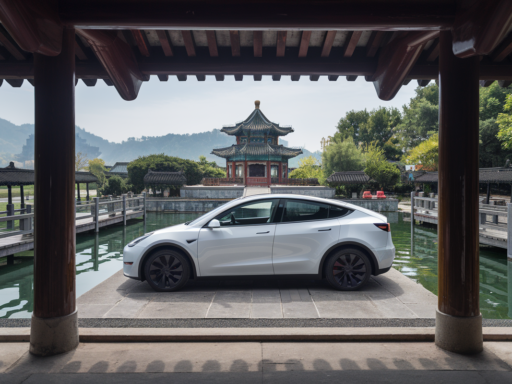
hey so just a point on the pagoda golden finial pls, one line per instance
(257, 104)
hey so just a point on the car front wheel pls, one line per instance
(167, 270)
(348, 269)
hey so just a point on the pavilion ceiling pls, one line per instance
(124, 42)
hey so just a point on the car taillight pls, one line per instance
(385, 227)
(128, 262)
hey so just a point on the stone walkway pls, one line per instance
(391, 295)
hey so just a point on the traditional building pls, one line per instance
(257, 157)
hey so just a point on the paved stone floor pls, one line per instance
(391, 295)
(257, 363)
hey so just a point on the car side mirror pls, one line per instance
(214, 224)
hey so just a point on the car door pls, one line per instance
(243, 244)
(303, 234)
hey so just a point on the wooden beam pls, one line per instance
(351, 43)
(141, 40)
(258, 15)
(163, 77)
(189, 43)
(374, 43)
(15, 83)
(34, 25)
(90, 82)
(479, 29)
(433, 51)
(422, 83)
(201, 77)
(281, 43)
(328, 41)
(79, 52)
(118, 60)
(234, 37)
(165, 42)
(257, 77)
(10, 45)
(351, 78)
(212, 43)
(304, 43)
(258, 43)
(396, 60)
(502, 50)
(239, 77)
(332, 77)
(295, 77)
(182, 77)
(504, 83)
(486, 83)
(276, 77)
(314, 77)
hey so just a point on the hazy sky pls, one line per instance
(311, 108)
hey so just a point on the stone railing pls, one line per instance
(295, 181)
(213, 181)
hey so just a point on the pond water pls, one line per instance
(100, 256)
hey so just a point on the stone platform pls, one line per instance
(391, 295)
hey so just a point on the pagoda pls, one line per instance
(257, 157)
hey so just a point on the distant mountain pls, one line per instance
(19, 140)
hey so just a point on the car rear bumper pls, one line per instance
(385, 257)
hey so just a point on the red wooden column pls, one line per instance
(280, 172)
(54, 327)
(458, 319)
(269, 176)
(233, 172)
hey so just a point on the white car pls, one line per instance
(267, 235)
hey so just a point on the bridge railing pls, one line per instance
(83, 210)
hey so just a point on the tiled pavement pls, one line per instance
(391, 295)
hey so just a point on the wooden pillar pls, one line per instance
(269, 176)
(54, 327)
(488, 193)
(280, 171)
(87, 187)
(10, 207)
(233, 169)
(458, 319)
(9, 194)
(22, 197)
(78, 191)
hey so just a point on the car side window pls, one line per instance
(252, 213)
(336, 211)
(300, 210)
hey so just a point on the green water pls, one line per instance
(421, 266)
(100, 256)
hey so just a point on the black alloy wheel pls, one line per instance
(167, 270)
(348, 270)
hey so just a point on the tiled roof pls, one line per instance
(256, 149)
(351, 177)
(167, 178)
(119, 168)
(486, 175)
(16, 176)
(257, 122)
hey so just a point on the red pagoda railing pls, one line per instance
(212, 181)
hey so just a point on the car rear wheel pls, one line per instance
(348, 269)
(167, 270)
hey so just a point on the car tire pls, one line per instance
(348, 269)
(167, 270)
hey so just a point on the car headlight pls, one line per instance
(139, 239)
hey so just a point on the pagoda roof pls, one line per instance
(257, 122)
(165, 178)
(255, 149)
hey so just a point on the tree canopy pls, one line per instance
(309, 168)
(342, 155)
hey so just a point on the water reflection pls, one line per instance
(421, 266)
(98, 256)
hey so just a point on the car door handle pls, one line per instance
(323, 230)
(262, 233)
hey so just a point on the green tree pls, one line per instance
(380, 126)
(427, 154)
(384, 173)
(351, 124)
(504, 122)
(341, 156)
(138, 168)
(114, 186)
(210, 168)
(97, 168)
(309, 168)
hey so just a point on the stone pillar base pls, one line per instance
(459, 334)
(53, 336)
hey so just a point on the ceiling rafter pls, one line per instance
(189, 43)
(10, 45)
(502, 50)
(374, 43)
(328, 42)
(281, 43)
(165, 42)
(234, 37)
(141, 41)
(79, 50)
(304, 43)
(433, 51)
(258, 43)
(212, 43)
(351, 43)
